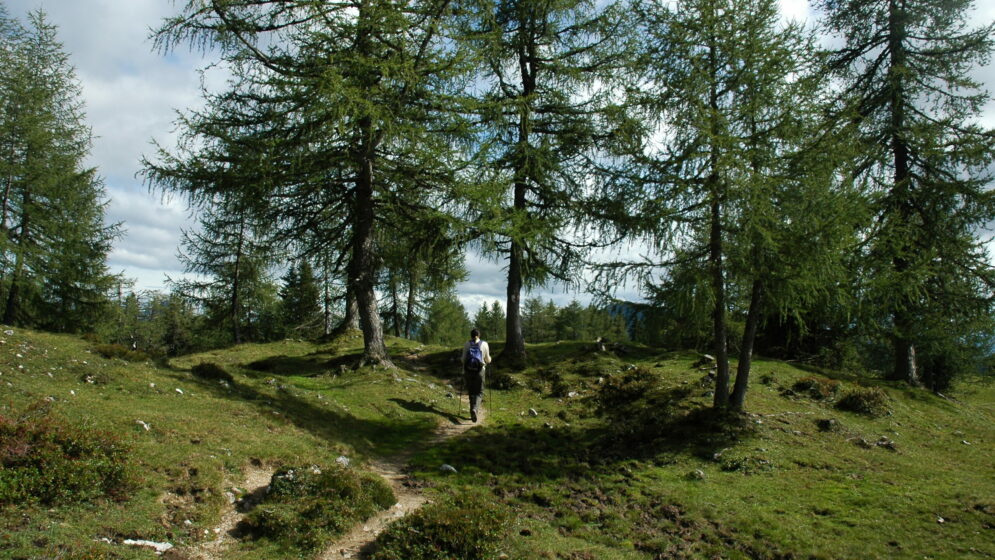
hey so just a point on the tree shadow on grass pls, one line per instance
(368, 437)
(415, 406)
(547, 454)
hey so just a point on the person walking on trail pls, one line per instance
(476, 356)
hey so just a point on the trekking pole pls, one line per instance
(459, 397)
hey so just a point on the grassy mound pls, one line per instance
(467, 527)
(307, 507)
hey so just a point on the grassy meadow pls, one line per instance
(584, 455)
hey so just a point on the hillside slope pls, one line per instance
(649, 474)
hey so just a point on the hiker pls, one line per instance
(476, 355)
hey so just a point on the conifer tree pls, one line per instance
(447, 322)
(906, 84)
(730, 97)
(53, 242)
(336, 116)
(542, 67)
(491, 321)
(300, 311)
(231, 255)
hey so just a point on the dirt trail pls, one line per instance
(257, 479)
(355, 543)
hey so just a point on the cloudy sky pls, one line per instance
(132, 95)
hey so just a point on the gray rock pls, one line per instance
(448, 469)
(343, 460)
(696, 474)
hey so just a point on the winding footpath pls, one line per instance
(357, 542)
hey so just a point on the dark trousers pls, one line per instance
(474, 381)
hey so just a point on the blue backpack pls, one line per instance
(474, 358)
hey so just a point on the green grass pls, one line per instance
(574, 486)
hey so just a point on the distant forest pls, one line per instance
(780, 196)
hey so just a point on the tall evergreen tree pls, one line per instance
(233, 262)
(53, 240)
(729, 96)
(336, 112)
(300, 310)
(905, 71)
(542, 67)
(447, 322)
(491, 321)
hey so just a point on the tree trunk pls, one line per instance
(409, 313)
(364, 262)
(12, 308)
(905, 357)
(326, 301)
(746, 349)
(351, 319)
(719, 333)
(395, 313)
(236, 286)
(514, 355)
(363, 271)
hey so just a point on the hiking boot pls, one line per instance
(473, 415)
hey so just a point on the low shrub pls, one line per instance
(501, 380)
(638, 406)
(111, 351)
(818, 388)
(468, 527)
(872, 401)
(45, 460)
(307, 507)
(211, 371)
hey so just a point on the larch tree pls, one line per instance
(904, 69)
(53, 239)
(230, 258)
(300, 308)
(544, 82)
(730, 99)
(339, 110)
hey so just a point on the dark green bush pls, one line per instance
(211, 371)
(44, 459)
(501, 380)
(468, 527)
(818, 388)
(638, 406)
(110, 351)
(306, 507)
(872, 401)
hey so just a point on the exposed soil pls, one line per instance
(257, 479)
(357, 542)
